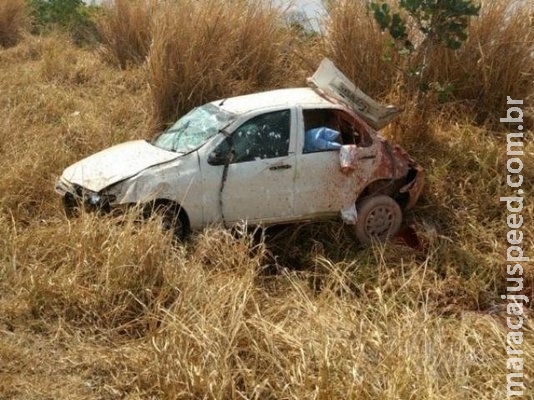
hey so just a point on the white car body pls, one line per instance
(292, 187)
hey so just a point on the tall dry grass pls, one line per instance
(354, 42)
(59, 104)
(204, 50)
(496, 61)
(119, 311)
(13, 21)
(98, 307)
(125, 31)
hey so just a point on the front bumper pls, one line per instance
(76, 197)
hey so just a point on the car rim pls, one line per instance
(379, 222)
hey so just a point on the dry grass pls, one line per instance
(125, 31)
(204, 50)
(13, 21)
(60, 103)
(119, 312)
(496, 61)
(356, 45)
(97, 307)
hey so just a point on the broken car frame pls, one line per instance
(243, 159)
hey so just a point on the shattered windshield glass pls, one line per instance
(194, 129)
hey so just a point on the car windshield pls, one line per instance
(194, 129)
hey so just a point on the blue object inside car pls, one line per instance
(321, 139)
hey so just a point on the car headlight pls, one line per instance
(94, 199)
(98, 201)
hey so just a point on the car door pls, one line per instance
(259, 177)
(321, 188)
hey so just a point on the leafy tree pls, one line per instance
(436, 23)
(441, 21)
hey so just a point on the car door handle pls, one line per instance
(278, 167)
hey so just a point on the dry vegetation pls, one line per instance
(13, 20)
(125, 29)
(104, 308)
(495, 61)
(213, 49)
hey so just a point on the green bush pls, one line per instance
(434, 25)
(72, 15)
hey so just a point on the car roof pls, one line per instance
(274, 99)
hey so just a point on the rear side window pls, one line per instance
(328, 129)
(322, 130)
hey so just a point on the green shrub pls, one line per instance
(71, 15)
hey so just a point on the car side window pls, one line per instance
(321, 131)
(328, 129)
(261, 137)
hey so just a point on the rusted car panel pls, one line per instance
(246, 158)
(389, 164)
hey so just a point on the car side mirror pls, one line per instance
(221, 155)
(216, 158)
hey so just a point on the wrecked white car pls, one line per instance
(280, 156)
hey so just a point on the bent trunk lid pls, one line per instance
(330, 81)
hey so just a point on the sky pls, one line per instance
(311, 8)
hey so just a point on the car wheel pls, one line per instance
(172, 218)
(379, 218)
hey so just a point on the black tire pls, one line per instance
(379, 219)
(172, 216)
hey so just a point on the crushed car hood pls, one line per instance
(115, 164)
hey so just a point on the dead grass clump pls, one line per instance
(240, 248)
(13, 21)
(125, 31)
(207, 324)
(119, 275)
(496, 61)
(204, 50)
(356, 45)
(460, 204)
(103, 274)
(60, 104)
(59, 62)
(296, 343)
